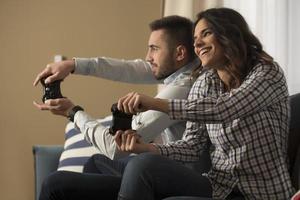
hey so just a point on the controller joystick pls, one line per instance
(51, 90)
(120, 120)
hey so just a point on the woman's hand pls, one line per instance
(129, 141)
(60, 106)
(135, 102)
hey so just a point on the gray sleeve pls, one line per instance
(95, 133)
(130, 71)
(152, 123)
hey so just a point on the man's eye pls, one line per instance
(154, 49)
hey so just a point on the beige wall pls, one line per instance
(31, 33)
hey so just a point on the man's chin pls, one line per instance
(160, 77)
(157, 76)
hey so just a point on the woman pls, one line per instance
(238, 108)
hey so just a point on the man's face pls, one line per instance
(160, 55)
(207, 47)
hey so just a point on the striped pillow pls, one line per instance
(76, 150)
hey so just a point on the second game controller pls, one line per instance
(120, 121)
(51, 90)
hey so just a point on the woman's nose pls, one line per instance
(198, 42)
(197, 45)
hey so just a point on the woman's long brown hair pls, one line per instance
(242, 48)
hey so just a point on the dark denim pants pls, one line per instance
(153, 177)
(101, 180)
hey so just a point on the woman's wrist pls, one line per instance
(152, 148)
(161, 105)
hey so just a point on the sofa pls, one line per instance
(46, 158)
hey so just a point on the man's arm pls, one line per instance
(130, 71)
(96, 133)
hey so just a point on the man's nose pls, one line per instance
(149, 57)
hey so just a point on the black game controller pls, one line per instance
(51, 90)
(120, 120)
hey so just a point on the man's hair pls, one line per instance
(179, 31)
(242, 48)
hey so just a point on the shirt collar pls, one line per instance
(188, 67)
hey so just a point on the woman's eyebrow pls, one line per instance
(205, 30)
(201, 32)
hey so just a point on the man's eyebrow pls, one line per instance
(153, 46)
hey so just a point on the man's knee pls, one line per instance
(89, 166)
(52, 185)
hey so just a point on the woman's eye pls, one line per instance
(206, 33)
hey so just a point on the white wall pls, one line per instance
(294, 46)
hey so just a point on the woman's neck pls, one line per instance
(225, 77)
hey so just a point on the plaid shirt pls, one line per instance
(247, 129)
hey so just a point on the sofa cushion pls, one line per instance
(294, 140)
(296, 171)
(45, 162)
(76, 150)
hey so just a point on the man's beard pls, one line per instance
(167, 70)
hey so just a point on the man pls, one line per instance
(170, 60)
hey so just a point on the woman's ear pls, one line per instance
(181, 53)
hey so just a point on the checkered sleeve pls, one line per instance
(190, 147)
(263, 86)
(195, 138)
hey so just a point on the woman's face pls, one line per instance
(207, 47)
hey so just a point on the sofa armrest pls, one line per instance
(46, 159)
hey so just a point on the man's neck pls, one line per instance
(182, 63)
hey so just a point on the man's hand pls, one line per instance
(60, 106)
(133, 103)
(129, 141)
(55, 71)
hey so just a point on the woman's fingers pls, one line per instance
(118, 138)
(126, 140)
(132, 103)
(125, 104)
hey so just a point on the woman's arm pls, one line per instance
(189, 149)
(134, 102)
(264, 86)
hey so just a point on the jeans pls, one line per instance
(101, 180)
(100, 164)
(153, 177)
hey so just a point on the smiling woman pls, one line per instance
(238, 109)
(220, 44)
(207, 46)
